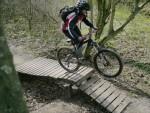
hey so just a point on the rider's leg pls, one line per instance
(80, 41)
(77, 30)
(69, 36)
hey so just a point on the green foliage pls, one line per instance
(138, 28)
(142, 66)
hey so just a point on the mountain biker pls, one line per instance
(70, 27)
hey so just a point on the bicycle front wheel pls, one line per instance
(68, 59)
(108, 63)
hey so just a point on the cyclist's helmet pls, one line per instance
(84, 6)
(81, 1)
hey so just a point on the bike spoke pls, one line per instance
(67, 59)
(108, 63)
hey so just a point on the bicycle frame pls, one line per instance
(101, 56)
(90, 43)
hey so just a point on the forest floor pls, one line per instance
(42, 93)
(133, 45)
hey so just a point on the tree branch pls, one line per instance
(45, 13)
(130, 18)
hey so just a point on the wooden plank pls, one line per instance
(30, 62)
(94, 86)
(66, 75)
(99, 91)
(77, 73)
(44, 68)
(116, 102)
(81, 75)
(52, 70)
(122, 106)
(55, 68)
(84, 75)
(106, 94)
(69, 75)
(63, 74)
(111, 98)
(88, 83)
(74, 73)
(74, 77)
(34, 68)
(41, 68)
(60, 72)
(49, 70)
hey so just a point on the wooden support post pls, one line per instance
(70, 90)
(67, 90)
(75, 90)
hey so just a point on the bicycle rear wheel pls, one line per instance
(108, 63)
(68, 59)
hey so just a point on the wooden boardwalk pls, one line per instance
(100, 90)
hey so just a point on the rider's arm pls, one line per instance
(88, 23)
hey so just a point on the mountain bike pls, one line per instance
(106, 61)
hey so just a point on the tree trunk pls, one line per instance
(11, 97)
(104, 7)
(30, 16)
(112, 15)
(88, 50)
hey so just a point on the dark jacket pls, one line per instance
(71, 23)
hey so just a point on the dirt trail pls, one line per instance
(45, 92)
(138, 105)
(20, 56)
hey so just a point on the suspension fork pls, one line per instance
(75, 50)
(99, 48)
(102, 55)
